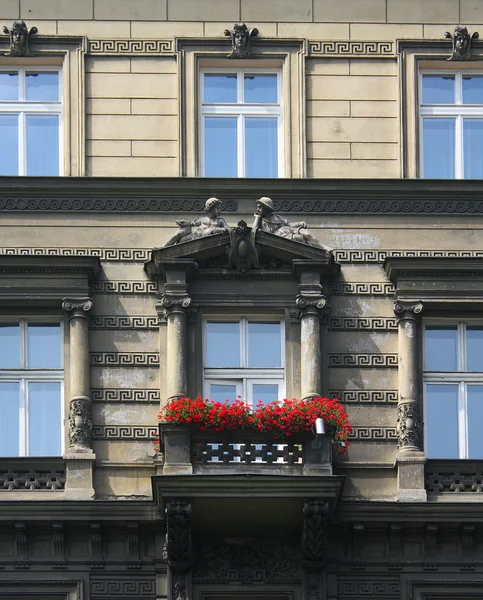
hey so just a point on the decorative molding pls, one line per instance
(125, 395)
(360, 289)
(24, 479)
(365, 361)
(350, 48)
(124, 359)
(105, 254)
(124, 432)
(135, 587)
(124, 287)
(131, 47)
(362, 324)
(124, 322)
(350, 588)
(373, 434)
(379, 256)
(366, 396)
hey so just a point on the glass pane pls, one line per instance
(42, 145)
(44, 419)
(222, 344)
(220, 147)
(441, 421)
(9, 86)
(221, 392)
(266, 392)
(261, 147)
(42, 87)
(438, 148)
(260, 89)
(9, 418)
(9, 145)
(220, 88)
(43, 346)
(264, 344)
(473, 148)
(475, 419)
(472, 89)
(9, 346)
(438, 89)
(474, 348)
(440, 348)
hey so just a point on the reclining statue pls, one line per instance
(211, 224)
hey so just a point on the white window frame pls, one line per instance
(24, 376)
(22, 107)
(458, 111)
(244, 377)
(460, 377)
(240, 111)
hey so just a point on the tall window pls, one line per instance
(30, 121)
(31, 377)
(451, 114)
(245, 358)
(241, 124)
(453, 382)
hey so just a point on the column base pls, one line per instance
(79, 476)
(410, 476)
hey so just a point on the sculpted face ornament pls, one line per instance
(19, 38)
(240, 40)
(211, 224)
(461, 43)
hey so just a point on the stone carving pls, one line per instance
(131, 587)
(313, 301)
(77, 307)
(240, 40)
(353, 48)
(373, 434)
(370, 361)
(124, 432)
(125, 395)
(243, 253)
(19, 38)
(461, 41)
(314, 535)
(80, 424)
(178, 536)
(365, 396)
(211, 224)
(131, 47)
(361, 289)
(124, 287)
(124, 322)
(124, 359)
(267, 220)
(408, 425)
(362, 324)
(408, 310)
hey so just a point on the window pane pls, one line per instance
(44, 419)
(220, 147)
(438, 148)
(474, 348)
(44, 347)
(472, 89)
(264, 345)
(220, 88)
(475, 419)
(9, 86)
(440, 348)
(266, 392)
(9, 418)
(441, 421)
(42, 87)
(438, 89)
(260, 89)
(9, 145)
(42, 145)
(9, 346)
(473, 148)
(223, 344)
(221, 392)
(261, 147)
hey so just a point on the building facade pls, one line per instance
(122, 287)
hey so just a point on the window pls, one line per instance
(451, 125)
(30, 121)
(453, 382)
(31, 388)
(241, 124)
(245, 358)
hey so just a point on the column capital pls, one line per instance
(404, 309)
(310, 303)
(77, 307)
(172, 303)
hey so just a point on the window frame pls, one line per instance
(23, 107)
(24, 375)
(241, 110)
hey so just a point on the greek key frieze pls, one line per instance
(361, 289)
(123, 287)
(366, 396)
(124, 359)
(125, 395)
(106, 254)
(362, 324)
(379, 256)
(373, 434)
(131, 47)
(123, 432)
(369, 361)
(116, 586)
(124, 322)
(389, 588)
(351, 48)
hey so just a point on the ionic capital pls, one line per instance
(310, 303)
(77, 307)
(408, 310)
(169, 304)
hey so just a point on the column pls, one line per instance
(410, 458)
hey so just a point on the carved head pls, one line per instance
(20, 35)
(241, 36)
(265, 205)
(462, 39)
(213, 205)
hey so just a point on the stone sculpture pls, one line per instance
(19, 38)
(240, 40)
(211, 224)
(461, 43)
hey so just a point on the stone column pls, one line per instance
(410, 458)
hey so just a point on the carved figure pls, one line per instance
(240, 40)
(19, 38)
(267, 220)
(461, 43)
(211, 224)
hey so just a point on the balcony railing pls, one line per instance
(450, 477)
